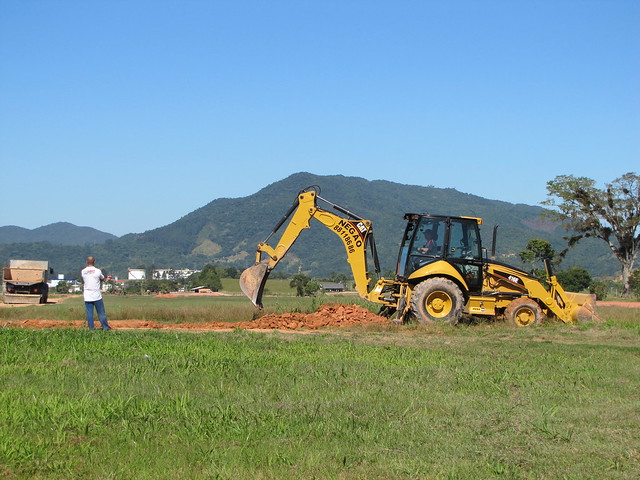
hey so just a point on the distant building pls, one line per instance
(136, 274)
(172, 274)
(201, 289)
(161, 273)
(74, 286)
(332, 287)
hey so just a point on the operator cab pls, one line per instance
(456, 240)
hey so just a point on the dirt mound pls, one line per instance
(326, 316)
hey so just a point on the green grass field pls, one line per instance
(480, 400)
(179, 309)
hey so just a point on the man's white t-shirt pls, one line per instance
(91, 277)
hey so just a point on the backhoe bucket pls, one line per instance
(584, 307)
(252, 282)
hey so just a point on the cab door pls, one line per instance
(421, 231)
(464, 251)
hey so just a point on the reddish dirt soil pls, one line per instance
(326, 316)
(190, 294)
(618, 304)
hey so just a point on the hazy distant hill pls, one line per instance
(226, 231)
(61, 233)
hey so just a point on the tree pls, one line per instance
(299, 282)
(311, 287)
(62, 287)
(537, 250)
(208, 277)
(574, 279)
(148, 271)
(338, 278)
(634, 282)
(611, 214)
(231, 272)
(160, 286)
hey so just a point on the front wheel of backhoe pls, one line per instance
(523, 312)
(437, 300)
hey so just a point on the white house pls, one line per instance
(160, 273)
(73, 283)
(136, 274)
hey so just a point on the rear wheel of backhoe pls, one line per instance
(523, 312)
(437, 300)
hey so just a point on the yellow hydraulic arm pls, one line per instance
(355, 232)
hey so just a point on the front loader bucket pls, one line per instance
(584, 307)
(252, 282)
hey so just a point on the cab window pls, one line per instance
(425, 245)
(463, 240)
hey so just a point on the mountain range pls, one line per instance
(227, 230)
(60, 233)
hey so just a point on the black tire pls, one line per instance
(437, 300)
(45, 294)
(523, 312)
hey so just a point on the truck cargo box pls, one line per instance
(24, 275)
(29, 264)
(25, 281)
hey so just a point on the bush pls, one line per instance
(599, 289)
(575, 279)
(634, 282)
(208, 277)
(311, 287)
(151, 286)
(304, 285)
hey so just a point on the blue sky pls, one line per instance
(127, 115)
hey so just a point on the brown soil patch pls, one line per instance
(326, 316)
(192, 294)
(618, 304)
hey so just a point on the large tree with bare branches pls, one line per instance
(611, 214)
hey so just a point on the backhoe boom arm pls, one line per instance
(354, 232)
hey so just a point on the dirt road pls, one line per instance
(326, 316)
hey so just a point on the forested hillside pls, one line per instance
(60, 233)
(226, 231)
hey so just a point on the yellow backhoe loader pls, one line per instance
(442, 270)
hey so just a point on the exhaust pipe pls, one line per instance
(493, 244)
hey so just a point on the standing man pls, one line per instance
(92, 278)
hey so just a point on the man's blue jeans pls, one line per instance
(102, 316)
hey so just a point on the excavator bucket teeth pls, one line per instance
(252, 282)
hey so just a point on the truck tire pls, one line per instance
(523, 312)
(437, 300)
(45, 294)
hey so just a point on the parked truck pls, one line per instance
(25, 281)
